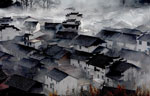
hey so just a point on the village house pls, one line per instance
(74, 15)
(143, 43)
(57, 81)
(32, 40)
(97, 68)
(29, 67)
(8, 32)
(122, 72)
(119, 40)
(59, 54)
(87, 43)
(79, 59)
(71, 24)
(137, 58)
(66, 37)
(25, 85)
(48, 63)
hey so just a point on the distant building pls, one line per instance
(122, 71)
(87, 43)
(60, 82)
(74, 15)
(59, 54)
(79, 59)
(123, 38)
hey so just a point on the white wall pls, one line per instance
(62, 87)
(143, 47)
(85, 49)
(8, 34)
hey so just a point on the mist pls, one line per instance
(97, 14)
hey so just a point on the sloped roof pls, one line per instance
(100, 61)
(117, 36)
(29, 63)
(21, 83)
(79, 55)
(145, 37)
(37, 55)
(55, 51)
(57, 74)
(66, 35)
(4, 26)
(132, 55)
(87, 41)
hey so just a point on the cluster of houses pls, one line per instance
(31, 63)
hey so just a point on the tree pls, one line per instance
(5, 3)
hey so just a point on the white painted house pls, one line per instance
(120, 72)
(87, 43)
(143, 43)
(32, 40)
(79, 59)
(119, 39)
(60, 82)
(8, 32)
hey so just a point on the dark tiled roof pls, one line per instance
(21, 83)
(47, 61)
(73, 13)
(29, 63)
(87, 41)
(100, 60)
(66, 35)
(118, 68)
(37, 55)
(79, 55)
(60, 54)
(145, 37)
(4, 26)
(117, 36)
(131, 31)
(53, 50)
(57, 74)
(132, 55)
(56, 52)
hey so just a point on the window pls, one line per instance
(140, 42)
(98, 76)
(148, 43)
(78, 62)
(80, 47)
